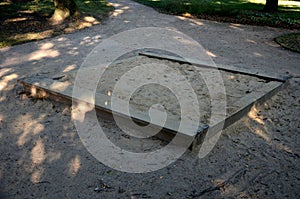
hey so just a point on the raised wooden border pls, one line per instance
(168, 131)
(234, 69)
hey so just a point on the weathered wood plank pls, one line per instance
(229, 68)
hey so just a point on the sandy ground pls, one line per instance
(43, 157)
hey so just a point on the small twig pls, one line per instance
(220, 185)
(43, 182)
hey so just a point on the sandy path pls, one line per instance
(42, 156)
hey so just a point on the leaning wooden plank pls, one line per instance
(245, 104)
(228, 68)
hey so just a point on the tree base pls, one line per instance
(63, 10)
(271, 6)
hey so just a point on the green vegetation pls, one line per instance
(290, 41)
(25, 21)
(239, 11)
(94, 8)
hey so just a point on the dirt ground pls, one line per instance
(43, 157)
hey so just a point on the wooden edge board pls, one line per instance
(137, 116)
(258, 98)
(227, 68)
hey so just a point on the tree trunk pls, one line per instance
(63, 10)
(271, 6)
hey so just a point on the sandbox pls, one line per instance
(244, 88)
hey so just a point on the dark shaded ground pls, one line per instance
(29, 21)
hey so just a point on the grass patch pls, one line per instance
(290, 41)
(94, 7)
(240, 11)
(29, 21)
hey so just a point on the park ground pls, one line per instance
(30, 20)
(43, 157)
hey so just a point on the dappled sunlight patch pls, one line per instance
(262, 134)
(90, 19)
(193, 21)
(47, 45)
(84, 25)
(38, 152)
(119, 11)
(69, 68)
(4, 49)
(262, 131)
(62, 39)
(34, 92)
(38, 128)
(236, 26)
(86, 22)
(231, 77)
(74, 165)
(187, 14)
(5, 80)
(32, 36)
(115, 4)
(254, 115)
(43, 53)
(181, 18)
(69, 29)
(90, 40)
(15, 19)
(5, 3)
(211, 54)
(60, 86)
(4, 71)
(36, 175)
(256, 54)
(251, 41)
(26, 11)
(283, 147)
(78, 112)
(86, 39)
(78, 26)
(27, 129)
